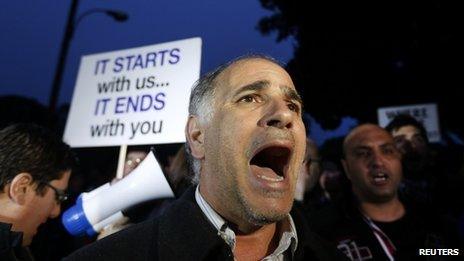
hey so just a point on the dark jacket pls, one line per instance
(342, 224)
(10, 245)
(184, 233)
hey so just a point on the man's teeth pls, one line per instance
(277, 179)
(380, 177)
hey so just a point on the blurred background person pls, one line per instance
(429, 178)
(310, 172)
(330, 181)
(411, 140)
(177, 174)
(135, 155)
(374, 223)
(35, 169)
(419, 169)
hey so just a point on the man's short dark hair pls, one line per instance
(402, 120)
(35, 150)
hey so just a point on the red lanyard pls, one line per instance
(384, 241)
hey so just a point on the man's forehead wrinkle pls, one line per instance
(251, 65)
(255, 86)
(263, 84)
(231, 78)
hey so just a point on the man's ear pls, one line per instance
(19, 187)
(195, 137)
(345, 168)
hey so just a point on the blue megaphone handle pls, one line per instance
(75, 221)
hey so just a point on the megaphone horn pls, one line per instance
(98, 207)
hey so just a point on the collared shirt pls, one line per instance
(288, 239)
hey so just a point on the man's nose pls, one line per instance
(278, 115)
(377, 160)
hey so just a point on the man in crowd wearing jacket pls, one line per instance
(246, 140)
(374, 223)
(35, 167)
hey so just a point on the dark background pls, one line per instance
(347, 59)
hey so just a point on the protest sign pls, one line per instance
(425, 113)
(134, 96)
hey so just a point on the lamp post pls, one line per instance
(70, 26)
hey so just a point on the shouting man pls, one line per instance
(246, 140)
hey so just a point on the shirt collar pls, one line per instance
(215, 219)
(288, 238)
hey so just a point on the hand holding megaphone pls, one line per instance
(103, 205)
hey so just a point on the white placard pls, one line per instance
(425, 113)
(134, 96)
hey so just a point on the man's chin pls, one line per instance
(264, 208)
(268, 213)
(382, 198)
(261, 219)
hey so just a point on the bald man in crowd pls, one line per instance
(246, 140)
(373, 223)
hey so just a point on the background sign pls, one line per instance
(134, 96)
(425, 113)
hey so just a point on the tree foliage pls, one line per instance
(351, 58)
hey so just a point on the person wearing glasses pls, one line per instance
(35, 167)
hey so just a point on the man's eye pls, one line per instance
(399, 139)
(418, 139)
(362, 154)
(388, 151)
(248, 98)
(294, 107)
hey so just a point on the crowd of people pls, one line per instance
(250, 185)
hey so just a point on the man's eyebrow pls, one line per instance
(361, 147)
(260, 85)
(292, 94)
(254, 86)
(388, 144)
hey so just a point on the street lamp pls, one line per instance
(118, 16)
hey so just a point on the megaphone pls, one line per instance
(102, 206)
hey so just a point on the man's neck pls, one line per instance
(6, 211)
(384, 212)
(258, 244)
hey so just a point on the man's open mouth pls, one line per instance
(380, 176)
(275, 158)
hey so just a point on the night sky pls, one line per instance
(32, 31)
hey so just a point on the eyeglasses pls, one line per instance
(60, 194)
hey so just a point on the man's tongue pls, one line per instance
(266, 173)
